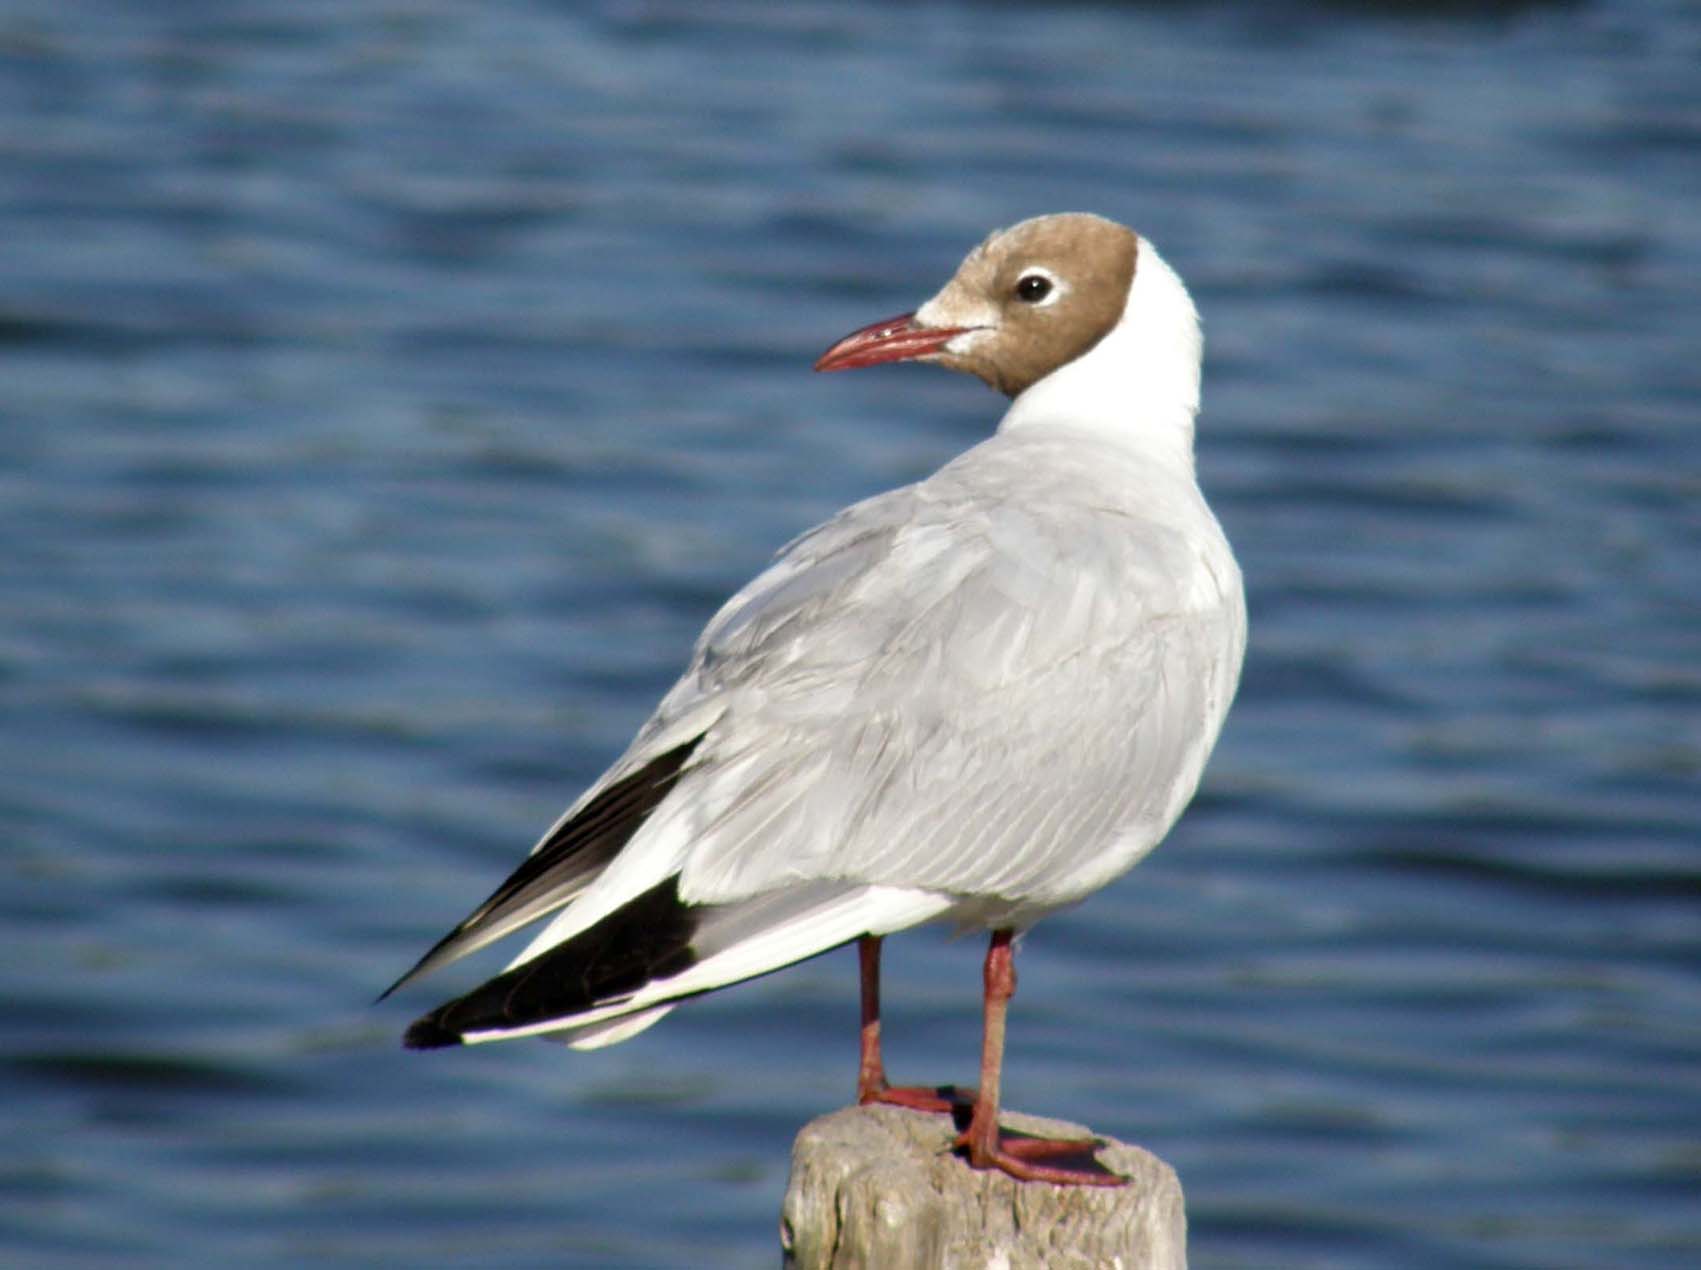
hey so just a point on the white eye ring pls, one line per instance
(1042, 280)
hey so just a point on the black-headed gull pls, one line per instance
(978, 698)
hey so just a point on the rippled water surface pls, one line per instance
(388, 393)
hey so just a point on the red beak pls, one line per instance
(897, 339)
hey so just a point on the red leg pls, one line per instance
(989, 1149)
(871, 1083)
(871, 1071)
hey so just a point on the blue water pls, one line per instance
(388, 393)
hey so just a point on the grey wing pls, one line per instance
(935, 690)
(963, 696)
(615, 819)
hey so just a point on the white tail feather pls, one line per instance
(615, 1030)
(741, 941)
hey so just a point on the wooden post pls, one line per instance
(877, 1188)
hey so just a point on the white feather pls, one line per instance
(614, 1031)
(742, 941)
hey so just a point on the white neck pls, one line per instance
(1140, 383)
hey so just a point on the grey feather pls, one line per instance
(1000, 682)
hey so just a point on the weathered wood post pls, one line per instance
(877, 1188)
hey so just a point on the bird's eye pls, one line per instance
(1033, 288)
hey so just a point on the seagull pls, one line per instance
(976, 699)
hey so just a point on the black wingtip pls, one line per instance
(572, 853)
(429, 1034)
(647, 938)
(425, 963)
